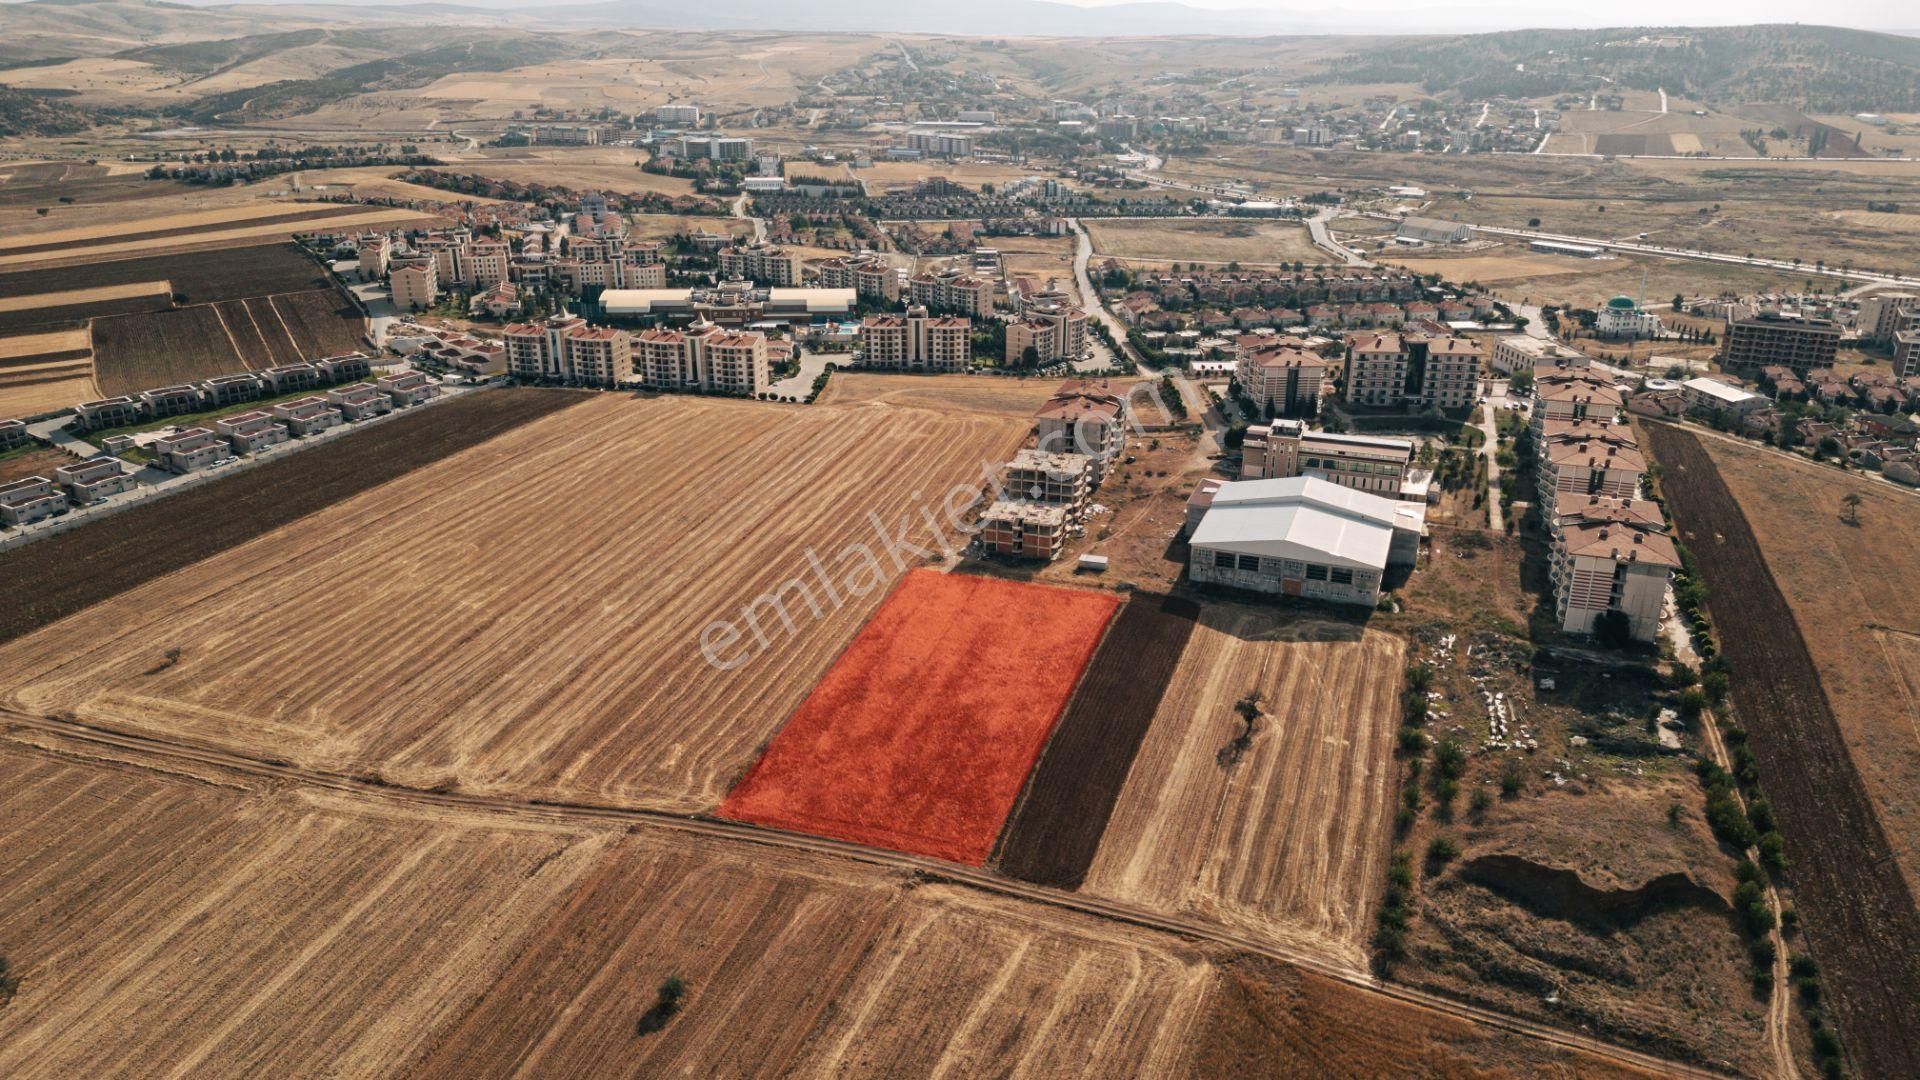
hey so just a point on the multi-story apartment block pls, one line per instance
(251, 432)
(484, 263)
(916, 341)
(94, 479)
(375, 250)
(1591, 467)
(940, 143)
(1120, 128)
(1286, 448)
(1906, 354)
(871, 277)
(764, 264)
(1084, 417)
(361, 401)
(29, 499)
(1448, 372)
(1053, 334)
(1881, 317)
(415, 283)
(1061, 479)
(407, 388)
(1281, 378)
(565, 349)
(1572, 394)
(952, 290)
(703, 357)
(1788, 340)
(345, 367)
(688, 115)
(190, 450)
(1610, 554)
(1394, 370)
(641, 275)
(1020, 528)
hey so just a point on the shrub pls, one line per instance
(1412, 740)
(1760, 813)
(1447, 789)
(1803, 966)
(1746, 872)
(1825, 1043)
(1481, 801)
(1510, 779)
(1400, 871)
(1693, 702)
(1809, 987)
(1451, 757)
(1773, 852)
(1419, 677)
(1442, 849)
(1757, 917)
(1763, 952)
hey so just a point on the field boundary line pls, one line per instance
(924, 868)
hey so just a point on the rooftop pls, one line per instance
(1300, 518)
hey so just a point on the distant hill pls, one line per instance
(1818, 68)
(979, 18)
(23, 113)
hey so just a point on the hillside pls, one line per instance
(1818, 68)
(23, 113)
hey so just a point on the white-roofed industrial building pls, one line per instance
(1304, 537)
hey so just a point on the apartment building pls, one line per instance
(565, 348)
(940, 143)
(1789, 340)
(14, 434)
(190, 450)
(871, 277)
(287, 378)
(1610, 554)
(1053, 334)
(703, 357)
(1023, 529)
(916, 341)
(711, 147)
(686, 115)
(1390, 370)
(375, 250)
(1882, 317)
(1520, 352)
(1286, 448)
(952, 290)
(764, 264)
(94, 479)
(30, 499)
(1906, 354)
(1572, 394)
(231, 389)
(1281, 379)
(1060, 479)
(415, 283)
(640, 275)
(344, 367)
(407, 389)
(361, 401)
(1591, 467)
(251, 432)
(1085, 417)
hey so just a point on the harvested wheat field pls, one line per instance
(297, 217)
(45, 371)
(522, 617)
(1850, 588)
(921, 736)
(224, 925)
(1285, 836)
(233, 234)
(943, 393)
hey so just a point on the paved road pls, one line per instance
(55, 431)
(1323, 239)
(1640, 248)
(812, 366)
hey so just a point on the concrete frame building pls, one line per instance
(1019, 528)
(1053, 334)
(1286, 448)
(190, 450)
(1779, 338)
(1386, 370)
(307, 416)
(1061, 479)
(30, 499)
(704, 357)
(360, 401)
(871, 277)
(766, 264)
(94, 479)
(407, 389)
(1610, 554)
(251, 432)
(952, 290)
(1084, 417)
(415, 283)
(1521, 352)
(1282, 378)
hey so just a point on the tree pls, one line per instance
(1030, 356)
(1533, 223)
(1613, 629)
(1850, 508)
(1679, 301)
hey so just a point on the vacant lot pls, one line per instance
(1515, 275)
(32, 462)
(1856, 904)
(1282, 829)
(1211, 241)
(989, 395)
(55, 577)
(536, 625)
(921, 736)
(200, 240)
(1054, 832)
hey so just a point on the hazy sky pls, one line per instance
(1514, 14)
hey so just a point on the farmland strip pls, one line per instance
(79, 245)
(63, 574)
(237, 273)
(35, 359)
(286, 334)
(1855, 904)
(1054, 832)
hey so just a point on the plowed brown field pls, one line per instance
(525, 616)
(1291, 840)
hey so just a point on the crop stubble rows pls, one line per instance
(1855, 904)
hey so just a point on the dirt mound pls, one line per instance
(1558, 892)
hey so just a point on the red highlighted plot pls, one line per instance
(921, 735)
